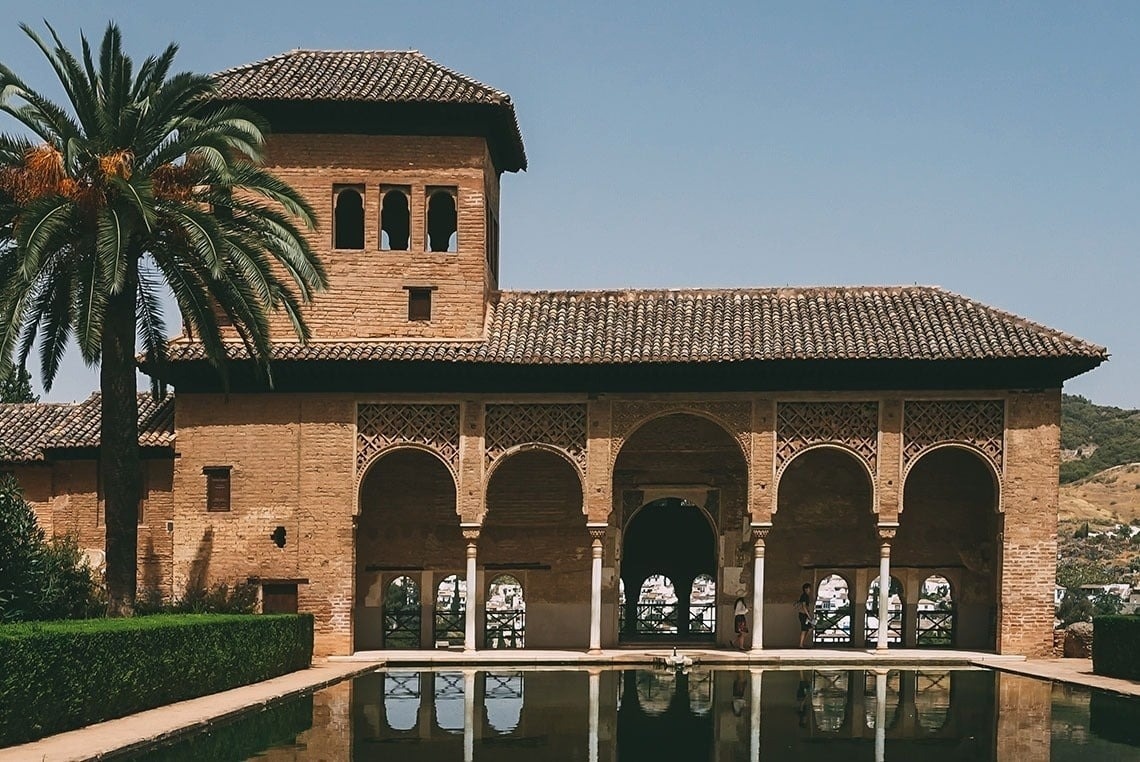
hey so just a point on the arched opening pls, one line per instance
(395, 221)
(824, 520)
(932, 699)
(949, 521)
(407, 528)
(535, 532)
(449, 701)
(503, 700)
(702, 606)
(679, 479)
(348, 227)
(871, 700)
(829, 699)
(656, 612)
(402, 700)
(450, 610)
(833, 610)
(894, 613)
(442, 220)
(402, 613)
(505, 624)
(935, 619)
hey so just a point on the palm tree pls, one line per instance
(141, 180)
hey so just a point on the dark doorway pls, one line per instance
(671, 542)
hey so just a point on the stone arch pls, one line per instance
(826, 522)
(348, 218)
(839, 446)
(407, 523)
(974, 450)
(950, 526)
(666, 412)
(834, 621)
(379, 455)
(534, 528)
(494, 465)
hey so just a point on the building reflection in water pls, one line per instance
(701, 714)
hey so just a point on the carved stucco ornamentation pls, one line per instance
(735, 417)
(381, 427)
(560, 426)
(977, 423)
(800, 425)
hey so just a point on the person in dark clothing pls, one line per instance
(805, 608)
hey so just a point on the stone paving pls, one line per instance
(113, 737)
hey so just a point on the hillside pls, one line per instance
(1096, 437)
(1109, 497)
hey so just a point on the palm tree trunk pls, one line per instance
(119, 444)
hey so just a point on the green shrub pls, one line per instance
(219, 599)
(40, 578)
(1116, 646)
(55, 676)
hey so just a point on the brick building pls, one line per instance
(607, 467)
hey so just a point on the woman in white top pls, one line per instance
(741, 622)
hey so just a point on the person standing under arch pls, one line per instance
(805, 608)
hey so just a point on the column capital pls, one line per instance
(760, 530)
(887, 530)
(597, 531)
(470, 531)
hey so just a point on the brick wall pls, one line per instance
(367, 296)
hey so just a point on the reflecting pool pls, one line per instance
(700, 714)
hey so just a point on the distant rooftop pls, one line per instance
(28, 431)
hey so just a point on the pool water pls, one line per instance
(701, 714)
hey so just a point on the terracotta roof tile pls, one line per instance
(27, 430)
(730, 325)
(368, 76)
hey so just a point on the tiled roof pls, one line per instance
(716, 326)
(368, 76)
(27, 430)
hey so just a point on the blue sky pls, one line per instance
(992, 150)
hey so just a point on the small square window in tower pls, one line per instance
(395, 218)
(348, 218)
(442, 220)
(419, 303)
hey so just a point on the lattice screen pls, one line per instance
(379, 427)
(980, 423)
(800, 425)
(560, 426)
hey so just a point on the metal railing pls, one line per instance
(702, 618)
(894, 625)
(402, 627)
(450, 625)
(505, 628)
(830, 626)
(656, 619)
(936, 628)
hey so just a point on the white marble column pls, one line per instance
(471, 534)
(595, 678)
(880, 715)
(886, 534)
(468, 713)
(754, 714)
(759, 537)
(597, 538)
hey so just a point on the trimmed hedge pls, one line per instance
(1116, 646)
(56, 676)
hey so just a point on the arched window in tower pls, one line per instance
(442, 220)
(348, 228)
(395, 219)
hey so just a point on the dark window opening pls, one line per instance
(217, 488)
(348, 232)
(395, 220)
(442, 220)
(279, 599)
(419, 303)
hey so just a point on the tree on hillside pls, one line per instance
(16, 386)
(140, 180)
